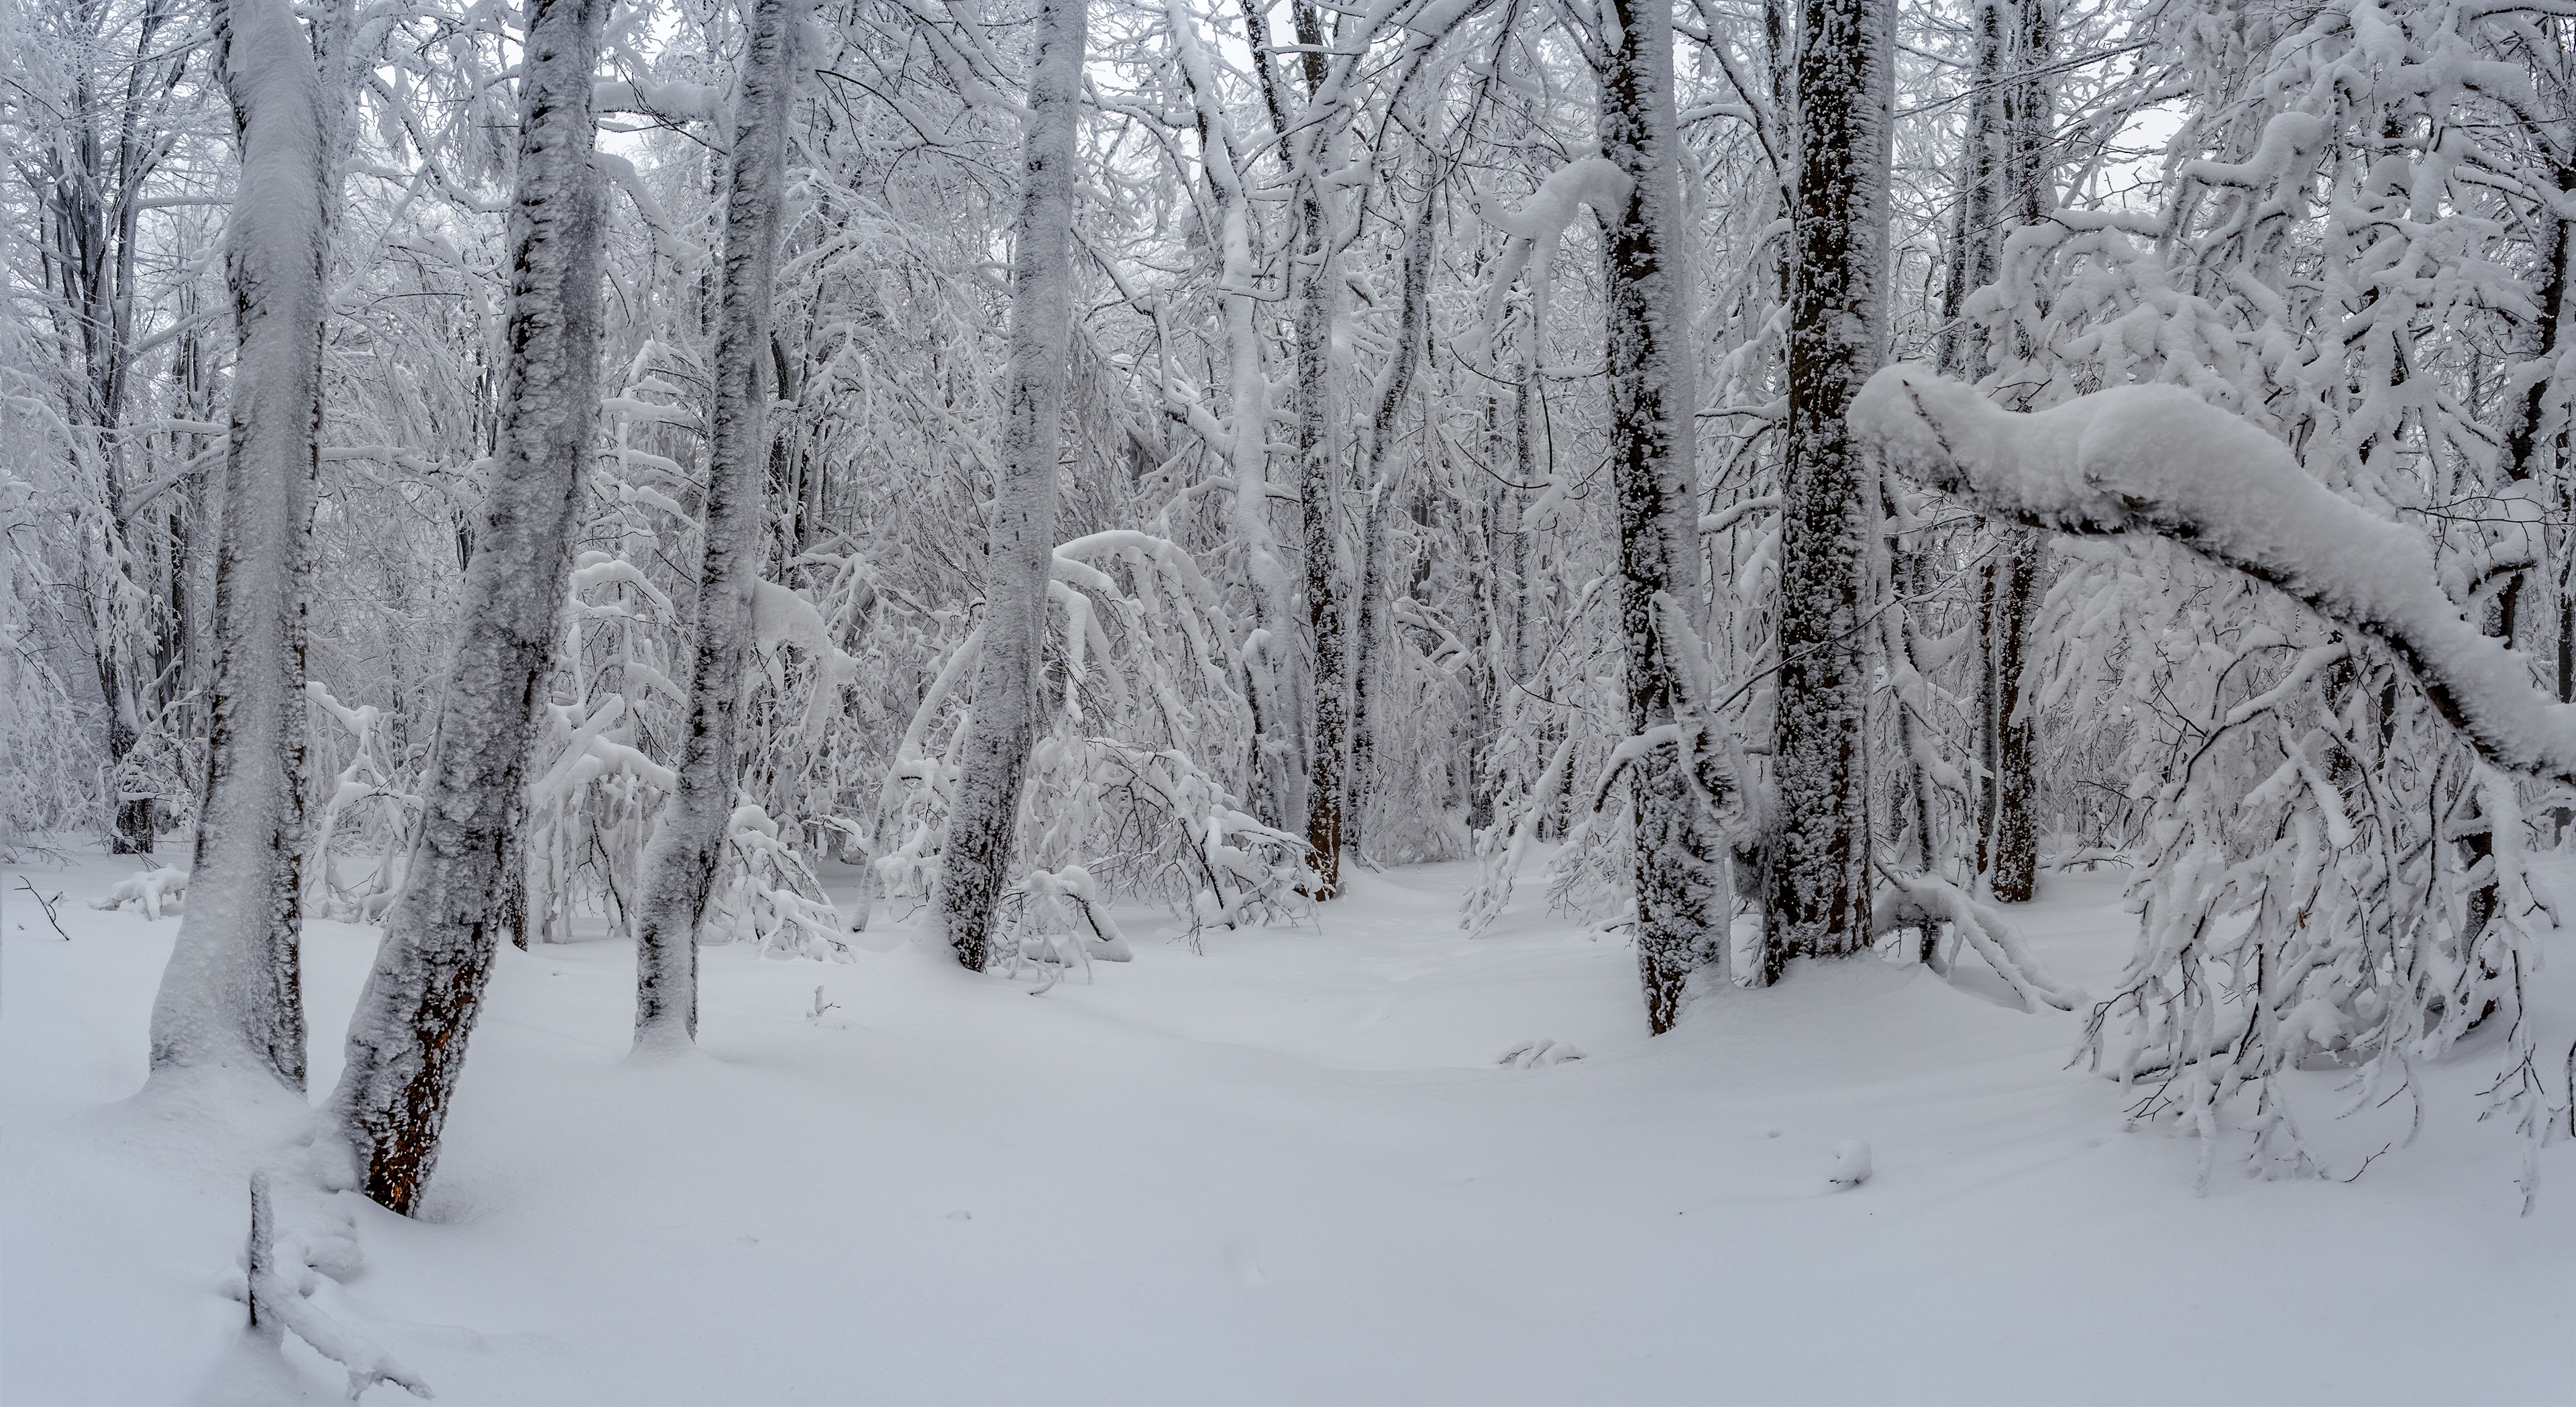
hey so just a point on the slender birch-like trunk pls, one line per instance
(1319, 494)
(232, 993)
(407, 1041)
(983, 821)
(2011, 837)
(1818, 891)
(1319, 480)
(1381, 431)
(1245, 441)
(689, 838)
(1681, 882)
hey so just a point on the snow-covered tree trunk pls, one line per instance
(1319, 494)
(1380, 436)
(983, 820)
(689, 838)
(232, 994)
(2008, 832)
(407, 1040)
(2553, 247)
(1679, 874)
(1818, 884)
(1245, 437)
(2009, 839)
(1319, 479)
(1972, 239)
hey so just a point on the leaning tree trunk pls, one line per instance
(1818, 892)
(1680, 876)
(232, 994)
(463, 885)
(983, 821)
(689, 838)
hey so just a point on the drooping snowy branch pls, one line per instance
(2159, 460)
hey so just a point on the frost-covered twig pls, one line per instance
(47, 905)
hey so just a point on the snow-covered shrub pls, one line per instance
(767, 896)
(360, 831)
(1144, 695)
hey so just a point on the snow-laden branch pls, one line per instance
(2160, 460)
(1537, 227)
(1922, 900)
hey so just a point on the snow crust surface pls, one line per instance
(1289, 1170)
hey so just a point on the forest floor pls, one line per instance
(1287, 1169)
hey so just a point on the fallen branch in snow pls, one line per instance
(1922, 900)
(1539, 1052)
(153, 889)
(278, 1304)
(47, 905)
(2158, 459)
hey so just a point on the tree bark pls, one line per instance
(2011, 836)
(2009, 842)
(1306, 143)
(1818, 882)
(232, 993)
(983, 820)
(1679, 866)
(688, 840)
(465, 881)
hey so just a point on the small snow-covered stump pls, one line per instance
(1851, 1164)
(1537, 1052)
(155, 891)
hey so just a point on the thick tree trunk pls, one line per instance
(465, 882)
(1818, 892)
(983, 821)
(1680, 876)
(688, 840)
(232, 994)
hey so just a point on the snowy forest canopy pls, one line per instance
(490, 470)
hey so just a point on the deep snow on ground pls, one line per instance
(1285, 1170)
